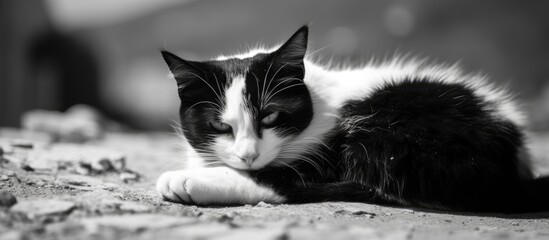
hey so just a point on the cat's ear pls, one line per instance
(184, 72)
(293, 51)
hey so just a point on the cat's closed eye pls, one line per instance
(269, 119)
(220, 127)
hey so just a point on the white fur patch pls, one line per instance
(250, 53)
(219, 185)
(244, 150)
(346, 84)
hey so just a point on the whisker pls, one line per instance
(201, 102)
(285, 88)
(265, 80)
(268, 95)
(257, 82)
(272, 78)
(210, 86)
(296, 171)
(217, 83)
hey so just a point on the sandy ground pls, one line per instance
(80, 191)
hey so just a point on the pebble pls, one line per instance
(136, 223)
(83, 182)
(123, 206)
(10, 173)
(227, 217)
(355, 212)
(264, 204)
(22, 144)
(484, 228)
(7, 199)
(127, 177)
(77, 158)
(41, 208)
(409, 211)
(40, 183)
(134, 207)
(4, 178)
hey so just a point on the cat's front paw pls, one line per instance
(172, 186)
(220, 186)
(200, 186)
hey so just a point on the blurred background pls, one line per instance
(105, 54)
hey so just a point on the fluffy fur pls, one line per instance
(273, 126)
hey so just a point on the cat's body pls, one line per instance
(273, 126)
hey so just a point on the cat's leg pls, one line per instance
(337, 191)
(218, 186)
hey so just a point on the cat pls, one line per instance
(271, 125)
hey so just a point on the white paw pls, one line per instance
(172, 187)
(212, 186)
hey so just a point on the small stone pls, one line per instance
(409, 211)
(122, 206)
(136, 223)
(355, 212)
(4, 178)
(82, 170)
(227, 217)
(127, 177)
(134, 207)
(484, 228)
(83, 182)
(78, 158)
(101, 164)
(515, 224)
(27, 168)
(7, 199)
(40, 183)
(263, 204)
(22, 144)
(10, 173)
(41, 208)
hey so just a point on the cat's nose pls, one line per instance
(248, 158)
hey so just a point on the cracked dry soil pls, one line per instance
(105, 190)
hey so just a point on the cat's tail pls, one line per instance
(531, 196)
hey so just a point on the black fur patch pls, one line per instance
(430, 144)
(418, 143)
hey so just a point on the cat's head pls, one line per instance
(244, 111)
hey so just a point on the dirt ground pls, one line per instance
(105, 190)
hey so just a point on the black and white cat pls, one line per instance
(273, 126)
